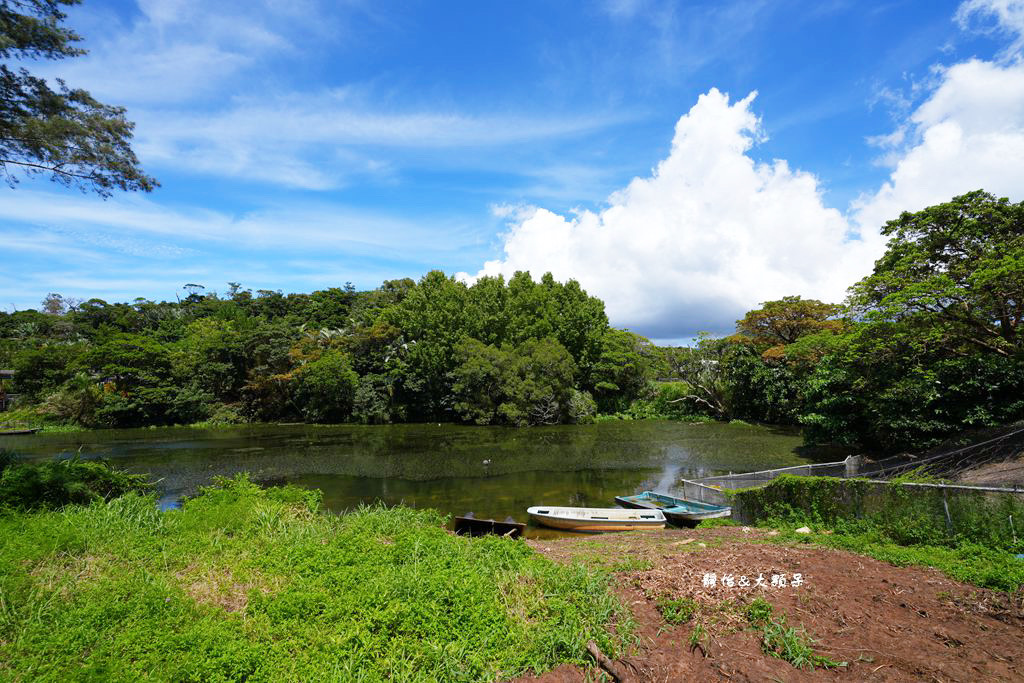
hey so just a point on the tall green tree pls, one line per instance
(956, 267)
(64, 133)
(622, 371)
(939, 346)
(325, 388)
(780, 323)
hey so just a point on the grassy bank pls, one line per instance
(257, 584)
(969, 536)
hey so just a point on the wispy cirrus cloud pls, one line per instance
(317, 140)
(1005, 17)
(209, 87)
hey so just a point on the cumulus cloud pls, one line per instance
(967, 135)
(711, 233)
(708, 233)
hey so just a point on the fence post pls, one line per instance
(949, 520)
(852, 463)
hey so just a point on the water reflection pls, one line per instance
(493, 472)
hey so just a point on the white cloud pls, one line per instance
(319, 140)
(712, 233)
(1008, 16)
(136, 225)
(707, 235)
(173, 51)
(968, 135)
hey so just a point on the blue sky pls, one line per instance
(303, 144)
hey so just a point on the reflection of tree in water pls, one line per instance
(583, 461)
(578, 499)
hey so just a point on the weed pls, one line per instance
(677, 611)
(698, 636)
(719, 522)
(785, 642)
(759, 612)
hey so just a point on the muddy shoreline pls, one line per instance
(886, 623)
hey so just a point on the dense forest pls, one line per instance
(926, 345)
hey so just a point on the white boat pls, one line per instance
(596, 520)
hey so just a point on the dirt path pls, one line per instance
(887, 623)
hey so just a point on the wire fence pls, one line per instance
(943, 463)
(908, 512)
(946, 463)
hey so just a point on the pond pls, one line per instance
(491, 471)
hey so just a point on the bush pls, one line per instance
(75, 402)
(56, 483)
(165, 405)
(581, 407)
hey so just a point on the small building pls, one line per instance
(6, 400)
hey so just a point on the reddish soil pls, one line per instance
(887, 623)
(1008, 473)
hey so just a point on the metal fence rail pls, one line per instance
(710, 489)
(986, 514)
(844, 468)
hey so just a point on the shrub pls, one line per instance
(56, 483)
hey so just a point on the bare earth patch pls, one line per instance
(219, 587)
(65, 571)
(1008, 473)
(887, 623)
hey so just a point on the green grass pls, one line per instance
(717, 522)
(677, 611)
(783, 641)
(968, 562)
(245, 583)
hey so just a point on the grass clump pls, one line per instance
(677, 611)
(246, 583)
(717, 522)
(785, 642)
(759, 611)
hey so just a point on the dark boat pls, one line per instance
(677, 510)
(469, 525)
(13, 432)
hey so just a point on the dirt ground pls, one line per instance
(887, 623)
(1007, 473)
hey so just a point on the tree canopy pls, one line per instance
(927, 345)
(787, 320)
(957, 268)
(64, 133)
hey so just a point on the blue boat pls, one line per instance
(677, 510)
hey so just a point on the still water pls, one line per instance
(492, 471)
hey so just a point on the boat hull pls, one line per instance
(597, 520)
(677, 510)
(468, 525)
